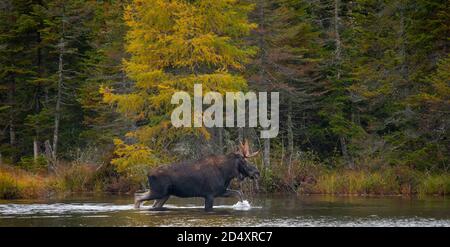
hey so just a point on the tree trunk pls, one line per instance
(338, 58)
(58, 102)
(290, 134)
(266, 153)
(35, 149)
(12, 130)
(262, 58)
(12, 126)
(403, 46)
(49, 156)
(348, 159)
(59, 90)
(404, 67)
(337, 37)
(220, 139)
(282, 152)
(46, 99)
(37, 107)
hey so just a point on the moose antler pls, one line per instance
(245, 150)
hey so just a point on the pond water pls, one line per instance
(262, 210)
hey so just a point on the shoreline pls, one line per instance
(63, 195)
(16, 183)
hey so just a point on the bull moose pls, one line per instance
(209, 177)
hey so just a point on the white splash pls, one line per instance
(244, 205)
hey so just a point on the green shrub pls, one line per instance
(28, 163)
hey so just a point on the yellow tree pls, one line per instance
(174, 45)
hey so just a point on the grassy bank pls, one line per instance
(299, 178)
(386, 182)
(18, 183)
(313, 178)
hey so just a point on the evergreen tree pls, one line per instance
(65, 35)
(433, 107)
(16, 71)
(289, 54)
(103, 67)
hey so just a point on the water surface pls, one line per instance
(263, 210)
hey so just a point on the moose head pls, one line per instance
(246, 169)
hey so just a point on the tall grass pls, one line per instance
(356, 183)
(307, 175)
(16, 183)
(74, 177)
(8, 186)
(435, 185)
(386, 182)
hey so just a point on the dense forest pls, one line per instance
(85, 90)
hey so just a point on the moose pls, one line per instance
(208, 178)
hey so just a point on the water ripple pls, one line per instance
(60, 208)
(47, 212)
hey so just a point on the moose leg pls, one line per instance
(160, 202)
(231, 192)
(138, 199)
(209, 201)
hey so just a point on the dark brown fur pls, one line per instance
(209, 177)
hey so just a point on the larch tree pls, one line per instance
(174, 45)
